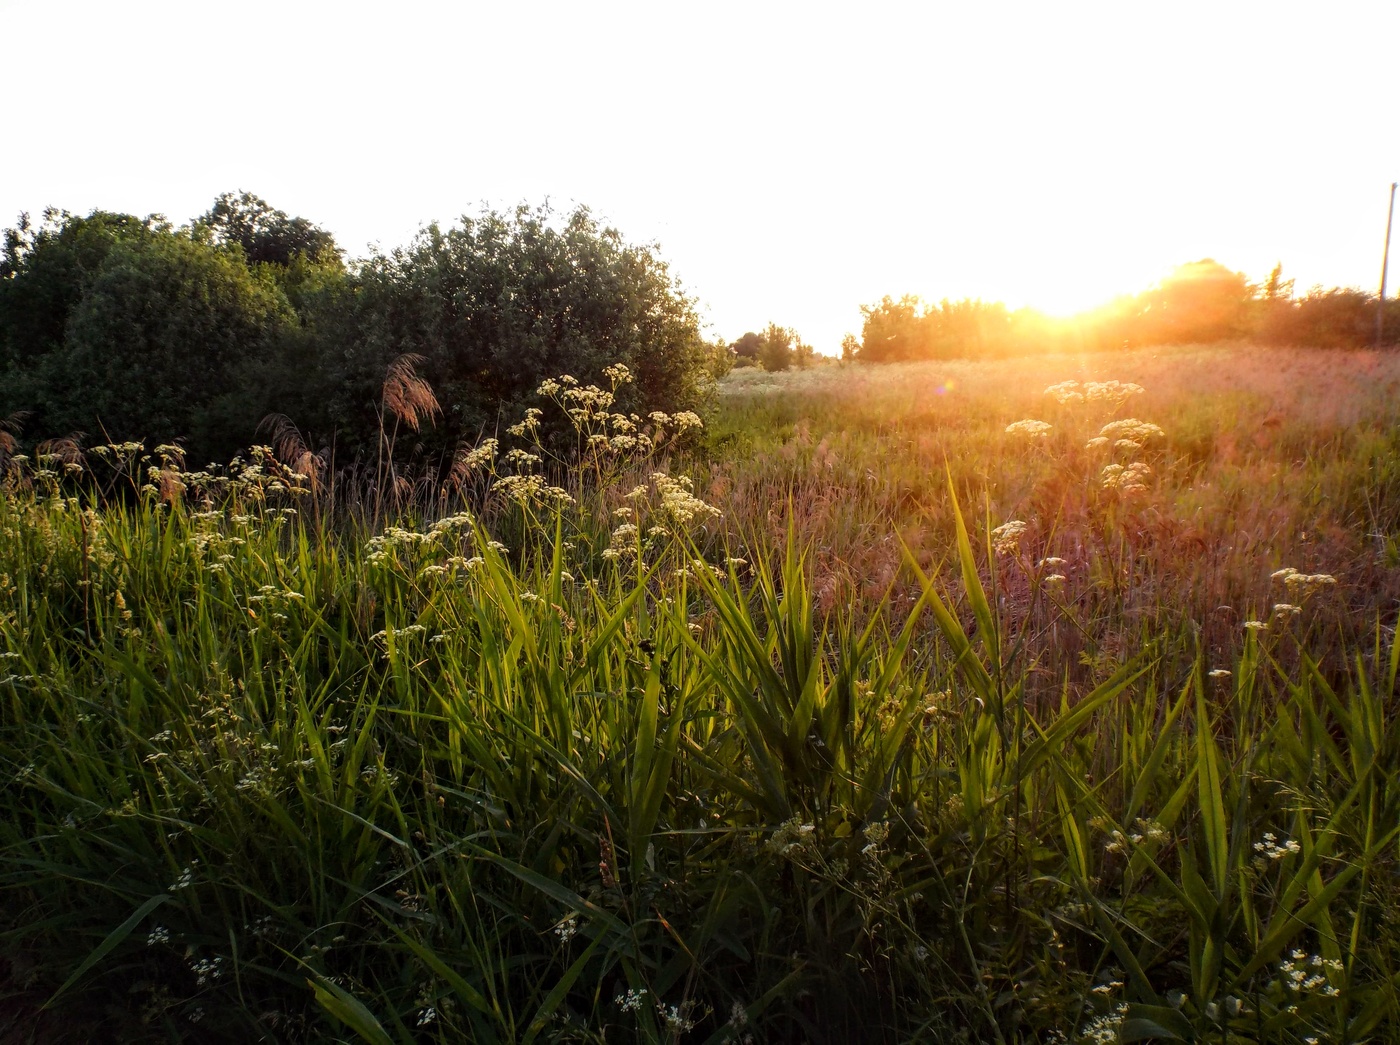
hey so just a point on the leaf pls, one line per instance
(349, 1010)
(115, 937)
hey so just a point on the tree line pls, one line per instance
(115, 327)
(1200, 302)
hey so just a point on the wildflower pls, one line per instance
(567, 929)
(1284, 610)
(632, 1000)
(675, 1018)
(1110, 391)
(207, 969)
(1031, 429)
(427, 1016)
(482, 456)
(1301, 585)
(1050, 561)
(1055, 580)
(1126, 479)
(1132, 429)
(1270, 848)
(618, 374)
(1220, 673)
(678, 501)
(1066, 392)
(160, 934)
(1006, 538)
(791, 836)
(875, 837)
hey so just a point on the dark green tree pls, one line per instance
(747, 347)
(267, 235)
(496, 304)
(118, 327)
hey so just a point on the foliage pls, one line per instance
(266, 235)
(129, 327)
(493, 305)
(1199, 303)
(748, 346)
(909, 329)
(133, 328)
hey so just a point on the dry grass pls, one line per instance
(1271, 458)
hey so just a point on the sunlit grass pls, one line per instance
(271, 779)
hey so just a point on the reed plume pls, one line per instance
(291, 450)
(406, 395)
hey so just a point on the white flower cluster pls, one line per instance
(207, 969)
(1103, 1030)
(530, 489)
(1006, 538)
(1301, 585)
(483, 455)
(618, 374)
(1130, 431)
(1071, 392)
(623, 543)
(1144, 831)
(790, 837)
(530, 425)
(1307, 973)
(1270, 848)
(567, 929)
(675, 1017)
(679, 501)
(1029, 428)
(1126, 479)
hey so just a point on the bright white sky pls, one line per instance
(794, 160)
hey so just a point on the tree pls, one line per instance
(747, 347)
(115, 325)
(893, 330)
(777, 349)
(266, 235)
(1200, 301)
(496, 304)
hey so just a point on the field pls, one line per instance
(898, 703)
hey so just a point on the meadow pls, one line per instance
(1036, 700)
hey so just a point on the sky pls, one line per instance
(792, 161)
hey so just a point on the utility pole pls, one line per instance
(1385, 264)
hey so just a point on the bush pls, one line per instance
(493, 306)
(125, 326)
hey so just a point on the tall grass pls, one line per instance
(277, 780)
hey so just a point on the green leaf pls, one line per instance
(349, 1010)
(115, 937)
